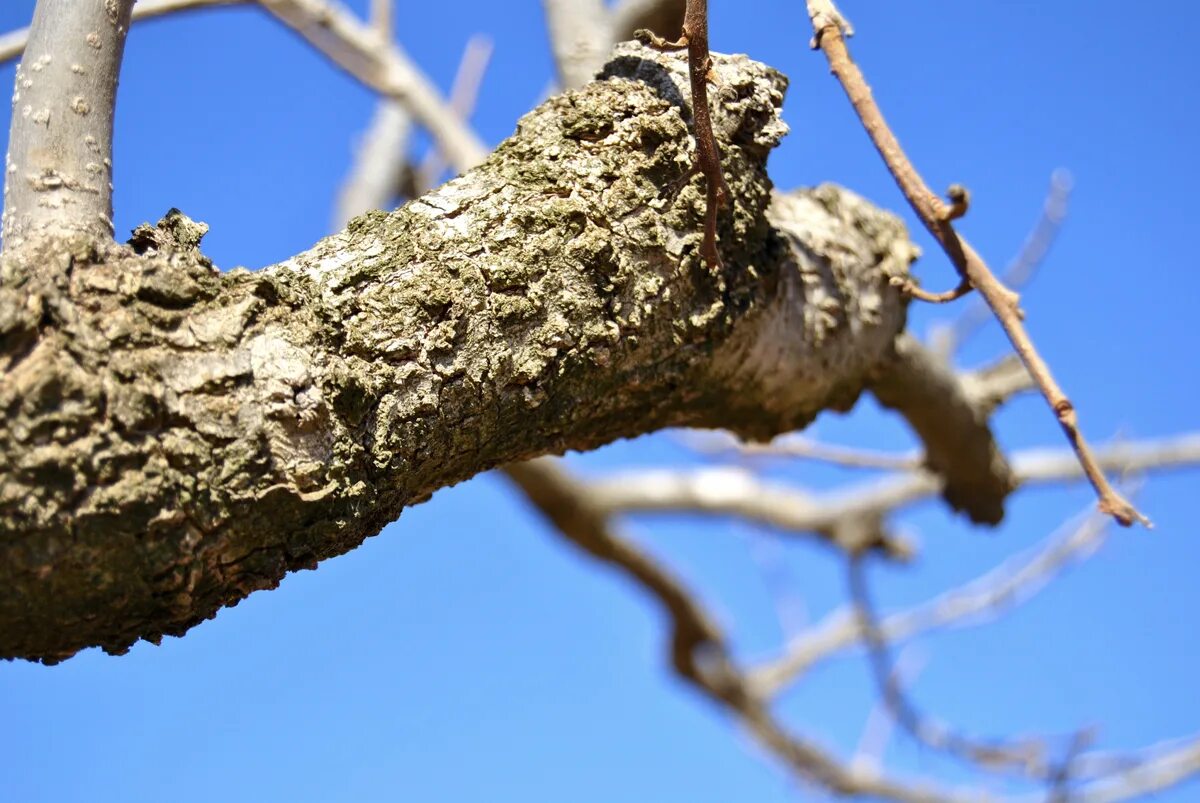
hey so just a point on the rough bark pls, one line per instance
(175, 438)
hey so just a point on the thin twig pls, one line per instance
(13, 44)
(979, 600)
(383, 19)
(1018, 273)
(708, 157)
(464, 93)
(379, 163)
(730, 491)
(936, 216)
(1026, 755)
(698, 651)
(798, 447)
(352, 45)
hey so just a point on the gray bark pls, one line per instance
(175, 438)
(58, 173)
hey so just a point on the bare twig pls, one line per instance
(1026, 755)
(59, 166)
(708, 157)
(736, 492)
(801, 448)
(1143, 773)
(463, 94)
(383, 19)
(349, 43)
(13, 44)
(381, 160)
(698, 650)
(974, 602)
(354, 46)
(382, 167)
(974, 272)
(877, 731)
(1019, 271)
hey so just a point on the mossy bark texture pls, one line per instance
(174, 438)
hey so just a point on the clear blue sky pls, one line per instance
(465, 654)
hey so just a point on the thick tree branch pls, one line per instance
(58, 173)
(698, 652)
(176, 438)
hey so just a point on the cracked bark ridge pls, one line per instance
(175, 438)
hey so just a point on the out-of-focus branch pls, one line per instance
(333, 29)
(354, 46)
(664, 17)
(828, 26)
(464, 92)
(383, 19)
(959, 446)
(981, 599)
(379, 164)
(1028, 756)
(699, 654)
(382, 169)
(798, 447)
(1142, 773)
(877, 731)
(988, 387)
(737, 492)
(13, 44)
(579, 37)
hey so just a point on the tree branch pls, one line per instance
(176, 438)
(828, 28)
(735, 492)
(13, 44)
(579, 36)
(352, 45)
(59, 168)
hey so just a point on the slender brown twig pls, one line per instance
(974, 272)
(708, 157)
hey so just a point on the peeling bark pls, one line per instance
(175, 438)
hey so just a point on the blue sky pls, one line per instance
(465, 653)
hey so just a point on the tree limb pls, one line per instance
(176, 438)
(58, 174)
